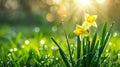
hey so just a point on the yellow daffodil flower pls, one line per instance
(89, 21)
(79, 30)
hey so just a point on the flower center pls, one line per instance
(80, 31)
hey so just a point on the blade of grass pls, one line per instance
(37, 62)
(69, 50)
(63, 55)
(108, 35)
(103, 34)
(102, 39)
(84, 52)
(78, 50)
(101, 42)
(96, 46)
(93, 41)
(95, 54)
(106, 39)
(88, 56)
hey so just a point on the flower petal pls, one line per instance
(86, 15)
(86, 25)
(94, 24)
(95, 16)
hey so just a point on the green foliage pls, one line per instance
(35, 54)
(89, 53)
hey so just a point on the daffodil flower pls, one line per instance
(80, 30)
(89, 21)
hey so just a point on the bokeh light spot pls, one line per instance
(15, 49)
(23, 46)
(37, 29)
(50, 17)
(11, 50)
(42, 42)
(27, 42)
(115, 34)
(110, 43)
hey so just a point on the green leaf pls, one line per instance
(88, 55)
(36, 61)
(108, 35)
(96, 46)
(106, 38)
(84, 52)
(95, 54)
(70, 53)
(78, 50)
(93, 41)
(62, 53)
(103, 34)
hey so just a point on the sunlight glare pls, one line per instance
(85, 2)
(100, 1)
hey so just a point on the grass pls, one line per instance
(36, 49)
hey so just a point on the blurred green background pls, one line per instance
(37, 13)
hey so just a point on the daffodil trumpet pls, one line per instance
(89, 21)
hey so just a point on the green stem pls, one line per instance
(78, 50)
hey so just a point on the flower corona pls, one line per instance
(79, 30)
(89, 21)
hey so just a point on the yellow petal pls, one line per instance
(90, 18)
(89, 21)
(86, 25)
(95, 16)
(94, 24)
(79, 30)
(86, 15)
